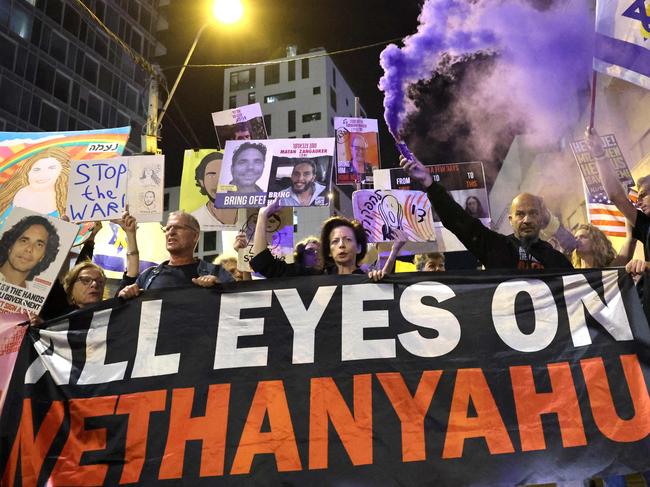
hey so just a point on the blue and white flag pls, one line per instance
(623, 40)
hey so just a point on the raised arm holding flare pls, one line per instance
(521, 250)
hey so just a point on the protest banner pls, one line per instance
(357, 150)
(247, 167)
(34, 166)
(33, 248)
(389, 215)
(464, 181)
(100, 190)
(501, 379)
(299, 178)
(201, 170)
(600, 211)
(241, 123)
(279, 236)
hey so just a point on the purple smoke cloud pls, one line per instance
(544, 59)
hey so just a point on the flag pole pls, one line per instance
(593, 101)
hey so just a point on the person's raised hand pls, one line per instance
(416, 170)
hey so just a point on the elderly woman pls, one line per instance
(84, 283)
(594, 250)
(342, 246)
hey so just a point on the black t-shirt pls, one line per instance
(172, 276)
(641, 232)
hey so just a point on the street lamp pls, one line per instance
(224, 11)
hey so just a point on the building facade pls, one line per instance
(60, 71)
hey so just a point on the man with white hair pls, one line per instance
(182, 269)
(357, 169)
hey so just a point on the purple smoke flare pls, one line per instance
(544, 58)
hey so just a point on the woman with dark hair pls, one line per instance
(474, 207)
(343, 245)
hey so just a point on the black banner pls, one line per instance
(422, 379)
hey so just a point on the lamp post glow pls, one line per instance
(227, 11)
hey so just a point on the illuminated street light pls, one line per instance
(227, 11)
(224, 11)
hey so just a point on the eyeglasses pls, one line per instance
(178, 228)
(86, 281)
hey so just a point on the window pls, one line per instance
(49, 117)
(267, 124)
(54, 10)
(7, 53)
(94, 108)
(333, 98)
(289, 95)
(71, 20)
(45, 76)
(305, 68)
(251, 97)
(310, 117)
(316, 90)
(292, 121)
(272, 74)
(232, 101)
(101, 45)
(9, 96)
(242, 80)
(292, 70)
(58, 47)
(132, 99)
(62, 87)
(306, 136)
(105, 79)
(334, 76)
(20, 22)
(136, 41)
(90, 70)
(166, 202)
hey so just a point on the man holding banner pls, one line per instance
(182, 269)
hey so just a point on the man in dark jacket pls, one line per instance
(521, 250)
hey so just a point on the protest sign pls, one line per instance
(33, 247)
(498, 379)
(357, 150)
(241, 123)
(299, 177)
(279, 236)
(146, 187)
(201, 170)
(389, 215)
(34, 167)
(99, 190)
(245, 180)
(464, 181)
(600, 211)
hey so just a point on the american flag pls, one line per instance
(603, 213)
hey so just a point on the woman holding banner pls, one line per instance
(40, 184)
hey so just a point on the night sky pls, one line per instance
(269, 27)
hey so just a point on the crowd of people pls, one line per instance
(341, 246)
